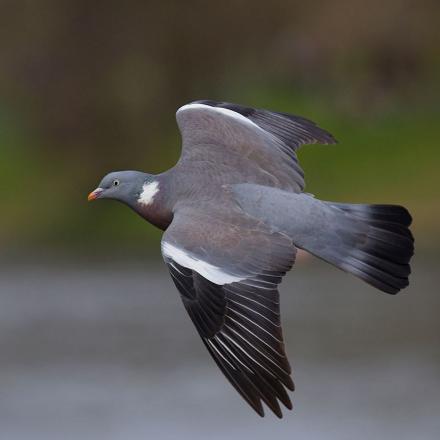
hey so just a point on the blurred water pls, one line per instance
(106, 351)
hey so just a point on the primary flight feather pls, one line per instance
(234, 211)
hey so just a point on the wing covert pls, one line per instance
(223, 131)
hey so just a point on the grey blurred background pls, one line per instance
(94, 343)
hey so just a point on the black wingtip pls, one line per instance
(277, 411)
(332, 140)
(259, 410)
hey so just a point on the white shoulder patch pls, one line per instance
(220, 110)
(207, 270)
(149, 190)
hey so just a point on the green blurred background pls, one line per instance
(90, 87)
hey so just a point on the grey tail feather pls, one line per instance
(381, 253)
(372, 242)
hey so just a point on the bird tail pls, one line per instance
(375, 244)
(372, 242)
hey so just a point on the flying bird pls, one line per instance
(234, 211)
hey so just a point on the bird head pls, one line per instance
(124, 186)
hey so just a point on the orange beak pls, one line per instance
(94, 194)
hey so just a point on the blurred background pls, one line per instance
(94, 342)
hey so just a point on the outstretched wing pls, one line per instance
(268, 139)
(227, 268)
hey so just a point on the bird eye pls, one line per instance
(115, 182)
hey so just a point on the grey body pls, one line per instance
(234, 211)
(311, 223)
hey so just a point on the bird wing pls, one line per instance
(264, 138)
(227, 267)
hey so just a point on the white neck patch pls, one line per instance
(212, 273)
(149, 190)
